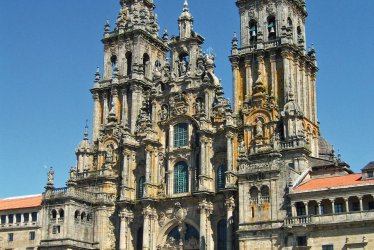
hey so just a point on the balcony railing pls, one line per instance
(70, 192)
(329, 218)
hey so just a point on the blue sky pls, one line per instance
(49, 50)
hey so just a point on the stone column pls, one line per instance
(135, 99)
(106, 108)
(229, 137)
(319, 207)
(205, 209)
(274, 86)
(286, 74)
(148, 164)
(154, 114)
(235, 72)
(171, 137)
(202, 156)
(293, 210)
(230, 205)
(306, 208)
(207, 104)
(346, 205)
(333, 206)
(96, 116)
(146, 231)
(125, 170)
(361, 204)
(248, 72)
(126, 218)
(125, 108)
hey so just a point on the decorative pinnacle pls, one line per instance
(107, 26)
(185, 9)
(97, 75)
(86, 130)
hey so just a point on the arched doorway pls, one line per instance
(182, 237)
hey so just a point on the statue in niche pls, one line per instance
(164, 113)
(259, 128)
(109, 154)
(198, 106)
(242, 147)
(73, 173)
(183, 67)
(200, 67)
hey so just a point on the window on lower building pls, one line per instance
(300, 210)
(328, 247)
(180, 178)
(29, 248)
(322, 209)
(339, 208)
(370, 174)
(3, 219)
(302, 241)
(32, 235)
(34, 216)
(18, 218)
(10, 219)
(355, 206)
(56, 229)
(221, 177)
(181, 135)
(10, 236)
(371, 205)
(26, 217)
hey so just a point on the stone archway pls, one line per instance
(181, 237)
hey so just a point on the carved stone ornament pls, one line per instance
(180, 213)
(271, 8)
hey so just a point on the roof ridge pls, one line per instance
(20, 197)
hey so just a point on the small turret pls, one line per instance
(185, 22)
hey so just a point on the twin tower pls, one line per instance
(172, 163)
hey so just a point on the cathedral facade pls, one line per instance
(174, 165)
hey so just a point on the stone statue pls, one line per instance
(109, 154)
(51, 176)
(72, 173)
(182, 68)
(242, 147)
(198, 107)
(164, 113)
(259, 128)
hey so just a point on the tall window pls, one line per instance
(34, 216)
(328, 247)
(181, 135)
(18, 218)
(10, 219)
(129, 63)
(10, 236)
(3, 219)
(339, 208)
(253, 31)
(272, 28)
(221, 177)
(221, 229)
(139, 242)
(26, 217)
(141, 187)
(180, 178)
(32, 235)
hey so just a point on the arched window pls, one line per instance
(139, 241)
(54, 214)
(77, 215)
(299, 34)
(113, 60)
(141, 181)
(129, 63)
(180, 178)
(272, 28)
(221, 233)
(221, 177)
(83, 216)
(146, 65)
(265, 192)
(181, 135)
(89, 217)
(253, 192)
(61, 213)
(189, 233)
(253, 31)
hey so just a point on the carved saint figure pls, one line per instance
(109, 153)
(164, 113)
(51, 176)
(182, 68)
(72, 173)
(259, 128)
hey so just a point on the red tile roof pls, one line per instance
(332, 182)
(21, 202)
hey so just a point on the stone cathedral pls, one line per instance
(174, 165)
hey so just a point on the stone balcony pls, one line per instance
(329, 218)
(74, 193)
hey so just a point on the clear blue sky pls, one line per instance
(49, 50)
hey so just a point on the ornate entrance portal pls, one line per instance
(182, 237)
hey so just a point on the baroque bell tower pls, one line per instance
(272, 69)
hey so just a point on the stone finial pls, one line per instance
(106, 28)
(97, 75)
(86, 130)
(51, 179)
(165, 36)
